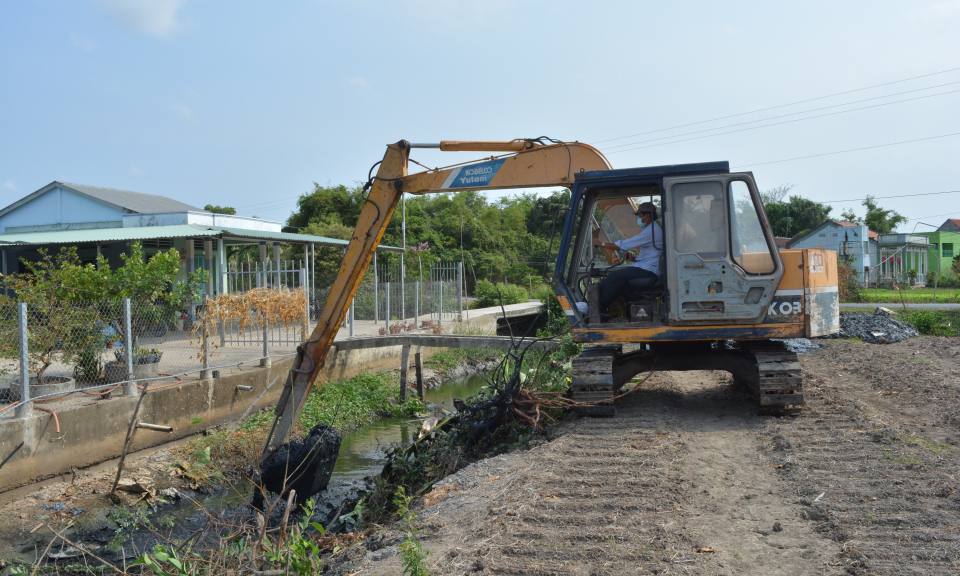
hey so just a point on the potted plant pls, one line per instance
(145, 362)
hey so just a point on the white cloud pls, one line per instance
(358, 82)
(10, 186)
(184, 112)
(134, 171)
(83, 43)
(152, 17)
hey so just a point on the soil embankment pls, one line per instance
(687, 479)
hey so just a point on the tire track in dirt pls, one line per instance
(688, 464)
(677, 470)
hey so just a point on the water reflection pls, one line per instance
(363, 452)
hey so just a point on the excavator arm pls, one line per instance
(526, 164)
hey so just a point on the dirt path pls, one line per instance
(687, 479)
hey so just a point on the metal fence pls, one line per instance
(56, 354)
(64, 353)
(395, 295)
(283, 275)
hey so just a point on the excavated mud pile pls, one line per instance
(302, 465)
(873, 328)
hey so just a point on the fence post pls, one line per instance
(305, 284)
(25, 408)
(264, 361)
(440, 299)
(418, 361)
(130, 388)
(403, 289)
(404, 363)
(416, 305)
(460, 290)
(376, 295)
(386, 313)
(351, 317)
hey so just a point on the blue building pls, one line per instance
(855, 244)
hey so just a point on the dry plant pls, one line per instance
(260, 308)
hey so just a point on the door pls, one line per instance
(723, 266)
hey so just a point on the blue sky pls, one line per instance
(247, 103)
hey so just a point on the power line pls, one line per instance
(803, 112)
(845, 151)
(779, 123)
(779, 106)
(897, 196)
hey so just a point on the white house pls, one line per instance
(104, 221)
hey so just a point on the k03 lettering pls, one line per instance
(783, 308)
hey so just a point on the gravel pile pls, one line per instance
(873, 329)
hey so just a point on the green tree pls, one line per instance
(796, 215)
(70, 303)
(220, 209)
(849, 215)
(323, 201)
(777, 194)
(879, 220)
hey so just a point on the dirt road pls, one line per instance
(687, 479)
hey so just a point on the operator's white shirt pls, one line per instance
(649, 257)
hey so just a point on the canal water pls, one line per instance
(363, 452)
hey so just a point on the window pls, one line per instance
(947, 250)
(162, 243)
(823, 235)
(699, 219)
(748, 245)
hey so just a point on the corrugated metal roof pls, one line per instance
(100, 235)
(120, 199)
(178, 231)
(133, 201)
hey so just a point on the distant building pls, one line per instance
(951, 225)
(944, 245)
(104, 221)
(856, 245)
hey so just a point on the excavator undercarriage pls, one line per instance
(767, 368)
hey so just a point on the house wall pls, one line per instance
(952, 240)
(59, 206)
(863, 252)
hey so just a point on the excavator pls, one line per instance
(724, 298)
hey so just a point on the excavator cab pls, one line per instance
(718, 260)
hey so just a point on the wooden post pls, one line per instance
(404, 362)
(418, 361)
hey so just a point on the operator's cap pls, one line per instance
(646, 207)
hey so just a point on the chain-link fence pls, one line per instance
(397, 297)
(68, 352)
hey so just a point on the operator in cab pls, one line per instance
(649, 242)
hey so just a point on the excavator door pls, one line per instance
(723, 264)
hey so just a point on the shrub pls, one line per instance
(933, 322)
(487, 295)
(848, 284)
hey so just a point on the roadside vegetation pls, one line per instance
(911, 295)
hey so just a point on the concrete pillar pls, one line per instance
(208, 263)
(222, 267)
(276, 264)
(263, 265)
(191, 262)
